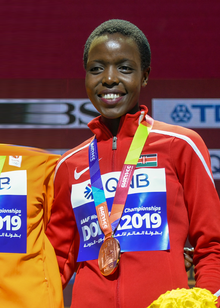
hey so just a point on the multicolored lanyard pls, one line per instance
(2, 161)
(108, 224)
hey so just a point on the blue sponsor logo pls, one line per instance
(188, 112)
(138, 181)
(204, 110)
(181, 114)
(215, 159)
(88, 192)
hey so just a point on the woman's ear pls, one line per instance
(145, 76)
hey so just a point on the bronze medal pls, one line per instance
(109, 256)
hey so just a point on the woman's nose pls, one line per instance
(110, 77)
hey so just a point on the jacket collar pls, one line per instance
(127, 127)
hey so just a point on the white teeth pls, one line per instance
(110, 96)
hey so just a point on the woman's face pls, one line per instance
(114, 76)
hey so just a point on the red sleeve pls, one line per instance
(202, 201)
(62, 229)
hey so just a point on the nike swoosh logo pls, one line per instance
(77, 175)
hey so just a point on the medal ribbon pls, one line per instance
(109, 224)
(2, 161)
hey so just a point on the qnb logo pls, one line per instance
(138, 181)
(181, 114)
(5, 183)
(215, 163)
(88, 192)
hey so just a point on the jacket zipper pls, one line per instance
(114, 143)
(114, 148)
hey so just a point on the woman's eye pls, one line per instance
(126, 69)
(96, 69)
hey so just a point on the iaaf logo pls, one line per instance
(192, 113)
(46, 113)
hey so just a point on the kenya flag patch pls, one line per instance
(148, 160)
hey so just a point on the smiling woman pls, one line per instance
(154, 178)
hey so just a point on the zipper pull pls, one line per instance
(114, 143)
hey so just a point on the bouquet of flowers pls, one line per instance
(181, 298)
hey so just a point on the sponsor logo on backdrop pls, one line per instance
(181, 114)
(194, 113)
(215, 163)
(46, 113)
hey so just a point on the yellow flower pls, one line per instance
(181, 298)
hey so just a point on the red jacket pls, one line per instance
(193, 210)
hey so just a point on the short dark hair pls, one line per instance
(125, 28)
